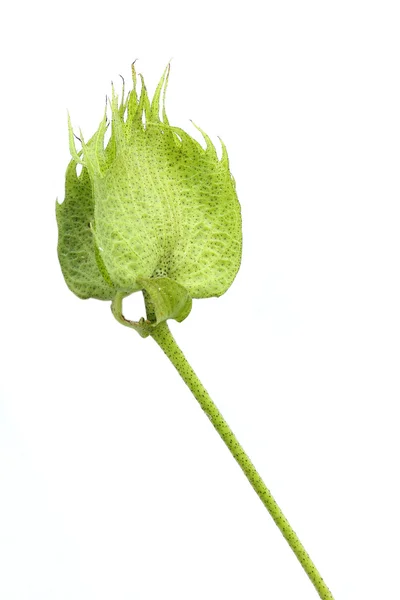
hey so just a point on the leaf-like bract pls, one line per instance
(150, 203)
(79, 257)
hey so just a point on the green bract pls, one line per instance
(151, 204)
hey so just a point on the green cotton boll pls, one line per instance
(152, 203)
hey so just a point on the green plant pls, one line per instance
(153, 211)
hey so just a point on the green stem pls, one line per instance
(165, 340)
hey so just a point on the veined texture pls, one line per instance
(150, 203)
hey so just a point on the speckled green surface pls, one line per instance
(150, 203)
(162, 335)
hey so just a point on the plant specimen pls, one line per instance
(154, 211)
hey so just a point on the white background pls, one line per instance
(113, 483)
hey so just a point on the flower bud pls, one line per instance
(150, 204)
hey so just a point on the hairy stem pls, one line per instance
(165, 340)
